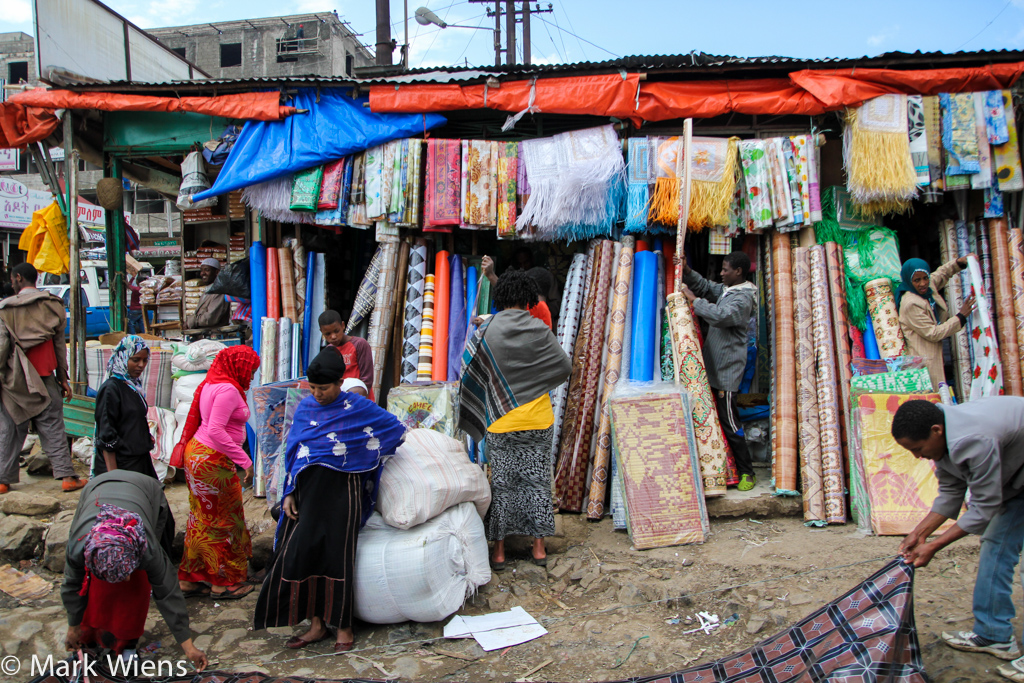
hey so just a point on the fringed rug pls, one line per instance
(876, 152)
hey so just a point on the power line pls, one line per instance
(554, 45)
(579, 38)
(568, 18)
(986, 25)
(471, 37)
(438, 30)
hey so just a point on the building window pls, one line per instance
(180, 51)
(148, 201)
(230, 54)
(349, 64)
(17, 72)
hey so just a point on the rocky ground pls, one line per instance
(612, 612)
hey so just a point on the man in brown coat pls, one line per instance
(33, 378)
(213, 309)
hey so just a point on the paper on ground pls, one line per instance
(498, 630)
(23, 586)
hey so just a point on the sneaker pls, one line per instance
(969, 641)
(1014, 670)
(73, 485)
(747, 482)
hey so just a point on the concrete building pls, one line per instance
(297, 45)
(17, 58)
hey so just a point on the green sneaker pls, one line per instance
(747, 482)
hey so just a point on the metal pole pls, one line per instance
(405, 50)
(510, 32)
(526, 33)
(77, 364)
(116, 246)
(384, 46)
(497, 33)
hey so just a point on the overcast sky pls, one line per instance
(795, 28)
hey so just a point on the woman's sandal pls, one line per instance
(200, 591)
(343, 647)
(497, 566)
(236, 593)
(297, 643)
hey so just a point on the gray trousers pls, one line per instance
(52, 437)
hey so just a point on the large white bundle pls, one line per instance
(180, 416)
(421, 574)
(430, 473)
(185, 387)
(161, 428)
(197, 356)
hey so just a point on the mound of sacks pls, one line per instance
(423, 552)
(191, 362)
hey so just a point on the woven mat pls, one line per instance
(807, 393)
(1006, 323)
(784, 442)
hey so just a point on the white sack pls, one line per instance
(421, 574)
(197, 356)
(185, 388)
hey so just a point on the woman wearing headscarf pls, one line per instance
(217, 545)
(509, 367)
(924, 317)
(336, 445)
(118, 552)
(122, 439)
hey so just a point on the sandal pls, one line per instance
(343, 647)
(197, 592)
(497, 566)
(540, 561)
(236, 593)
(297, 643)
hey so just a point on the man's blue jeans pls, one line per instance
(993, 589)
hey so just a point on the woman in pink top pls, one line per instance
(217, 545)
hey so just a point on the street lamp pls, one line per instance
(424, 17)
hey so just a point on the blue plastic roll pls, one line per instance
(307, 313)
(456, 319)
(645, 311)
(471, 302)
(870, 342)
(258, 288)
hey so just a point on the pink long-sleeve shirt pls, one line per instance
(224, 413)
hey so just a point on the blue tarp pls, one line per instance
(336, 125)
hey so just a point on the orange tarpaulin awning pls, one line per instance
(806, 92)
(28, 117)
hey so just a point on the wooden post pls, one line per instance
(79, 376)
(683, 171)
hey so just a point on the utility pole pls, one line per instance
(512, 17)
(526, 33)
(510, 32)
(497, 35)
(384, 44)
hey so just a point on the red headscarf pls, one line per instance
(235, 366)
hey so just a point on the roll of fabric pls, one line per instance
(1016, 244)
(319, 303)
(268, 350)
(396, 337)
(426, 364)
(829, 415)
(284, 349)
(785, 453)
(381, 319)
(613, 368)
(484, 297)
(884, 317)
(296, 352)
(1006, 323)
(988, 372)
(645, 295)
(287, 277)
(367, 292)
(258, 289)
(442, 306)
(273, 284)
(415, 282)
(307, 317)
(568, 326)
(575, 453)
(456, 319)
(807, 393)
(472, 287)
(692, 376)
(960, 342)
(840, 326)
(871, 351)
(986, 265)
(659, 308)
(299, 276)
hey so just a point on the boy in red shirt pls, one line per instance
(354, 350)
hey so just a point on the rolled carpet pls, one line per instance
(692, 376)
(807, 393)
(268, 350)
(785, 444)
(319, 302)
(384, 308)
(273, 285)
(613, 367)
(834, 261)
(884, 317)
(289, 302)
(426, 362)
(959, 344)
(456, 319)
(284, 349)
(416, 279)
(1016, 249)
(1006, 323)
(829, 416)
(442, 285)
(307, 315)
(568, 326)
(299, 274)
(367, 293)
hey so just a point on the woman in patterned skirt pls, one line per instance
(336, 445)
(509, 367)
(217, 545)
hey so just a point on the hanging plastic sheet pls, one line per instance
(335, 125)
(258, 287)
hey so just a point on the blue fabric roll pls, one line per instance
(645, 304)
(456, 319)
(870, 342)
(471, 302)
(258, 288)
(307, 313)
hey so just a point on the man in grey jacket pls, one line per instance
(726, 307)
(977, 447)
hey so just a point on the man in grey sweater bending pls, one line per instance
(978, 447)
(726, 307)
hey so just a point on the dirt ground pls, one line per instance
(606, 606)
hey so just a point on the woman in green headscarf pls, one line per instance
(923, 314)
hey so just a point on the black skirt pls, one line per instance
(143, 464)
(314, 561)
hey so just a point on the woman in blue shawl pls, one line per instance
(122, 439)
(337, 443)
(924, 318)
